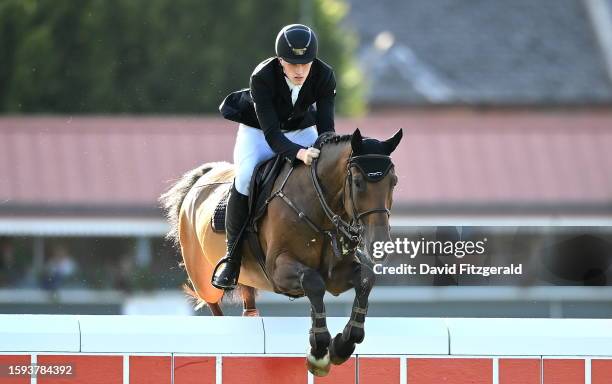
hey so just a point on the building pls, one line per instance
(94, 181)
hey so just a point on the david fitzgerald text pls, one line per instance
(448, 269)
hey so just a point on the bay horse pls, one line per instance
(319, 224)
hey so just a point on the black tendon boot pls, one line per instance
(225, 275)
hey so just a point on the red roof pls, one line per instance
(446, 157)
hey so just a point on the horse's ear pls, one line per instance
(391, 143)
(356, 141)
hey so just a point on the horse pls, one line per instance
(315, 234)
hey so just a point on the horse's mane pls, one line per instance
(331, 138)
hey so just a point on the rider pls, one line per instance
(289, 103)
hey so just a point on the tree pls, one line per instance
(153, 56)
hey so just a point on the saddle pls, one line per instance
(260, 189)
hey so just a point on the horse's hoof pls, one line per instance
(318, 367)
(336, 355)
(250, 313)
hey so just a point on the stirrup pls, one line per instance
(225, 279)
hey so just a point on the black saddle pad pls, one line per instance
(260, 188)
(218, 218)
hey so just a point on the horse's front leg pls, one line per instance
(294, 278)
(343, 345)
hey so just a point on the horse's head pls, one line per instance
(370, 182)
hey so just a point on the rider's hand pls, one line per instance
(307, 155)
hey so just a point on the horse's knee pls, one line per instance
(312, 283)
(364, 278)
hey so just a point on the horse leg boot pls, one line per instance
(248, 301)
(343, 345)
(293, 278)
(226, 273)
(314, 288)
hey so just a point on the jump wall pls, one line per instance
(215, 350)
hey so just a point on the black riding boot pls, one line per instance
(225, 275)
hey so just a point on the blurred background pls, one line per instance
(506, 109)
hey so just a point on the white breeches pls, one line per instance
(251, 149)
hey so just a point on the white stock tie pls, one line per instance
(295, 90)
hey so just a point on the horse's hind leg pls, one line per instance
(248, 301)
(343, 344)
(199, 270)
(293, 277)
(215, 309)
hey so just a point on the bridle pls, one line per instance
(352, 230)
(354, 161)
(348, 234)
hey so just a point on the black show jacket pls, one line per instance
(267, 104)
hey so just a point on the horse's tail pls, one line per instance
(194, 298)
(172, 199)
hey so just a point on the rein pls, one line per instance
(351, 231)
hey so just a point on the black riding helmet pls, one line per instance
(296, 44)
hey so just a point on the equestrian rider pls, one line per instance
(289, 103)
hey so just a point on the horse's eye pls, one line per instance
(358, 182)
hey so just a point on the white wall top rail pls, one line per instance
(289, 335)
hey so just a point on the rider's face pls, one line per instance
(297, 73)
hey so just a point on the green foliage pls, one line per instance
(336, 47)
(153, 56)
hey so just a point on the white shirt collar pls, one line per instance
(294, 88)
